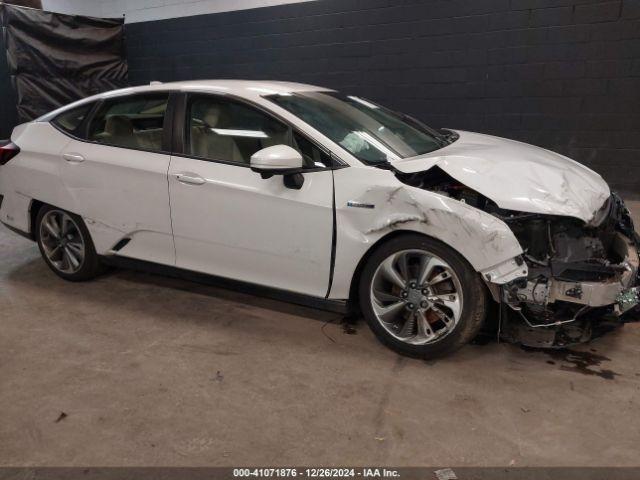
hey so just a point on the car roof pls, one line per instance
(249, 89)
(243, 88)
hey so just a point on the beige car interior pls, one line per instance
(218, 131)
(207, 143)
(119, 130)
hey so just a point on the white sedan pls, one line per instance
(331, 200)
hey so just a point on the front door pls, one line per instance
(230, 222)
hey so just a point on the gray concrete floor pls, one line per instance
(155, 371)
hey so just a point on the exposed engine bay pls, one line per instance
(583, 279)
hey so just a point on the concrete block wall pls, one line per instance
(562, 74)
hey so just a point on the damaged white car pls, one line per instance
(321, 198)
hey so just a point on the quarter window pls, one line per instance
(312, 155)
(225, 130)
(70, 120)
(131, 122)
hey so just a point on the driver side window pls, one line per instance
(225, 130)
(229, 131)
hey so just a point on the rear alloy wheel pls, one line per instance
(65, 245)
(421, 298)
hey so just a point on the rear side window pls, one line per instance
(131, 122)
(70, 120)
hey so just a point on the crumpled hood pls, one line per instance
(517, 176)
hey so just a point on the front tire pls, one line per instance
(420, 297)
(66, 245)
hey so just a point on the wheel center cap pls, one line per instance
(415, 296)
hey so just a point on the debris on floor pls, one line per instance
(61, 417)
(446, 474)
(349, 325)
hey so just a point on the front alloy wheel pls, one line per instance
(420, 297)
(416, 296)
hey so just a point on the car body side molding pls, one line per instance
(336, 306)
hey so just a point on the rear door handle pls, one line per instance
(190, 179)
(73, 157)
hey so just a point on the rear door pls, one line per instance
(117, 175)
(230, 222)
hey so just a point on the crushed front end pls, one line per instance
(583, 279)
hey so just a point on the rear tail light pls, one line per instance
(8, 151)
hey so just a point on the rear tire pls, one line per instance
(66, 245)
(421, 298)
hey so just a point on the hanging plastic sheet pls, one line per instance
(53, 59)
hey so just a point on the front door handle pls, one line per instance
(190, 179)
(73, 157)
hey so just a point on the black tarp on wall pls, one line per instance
(8, 111)
(50, 59)
(26, 3)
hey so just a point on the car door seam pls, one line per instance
(334, 235)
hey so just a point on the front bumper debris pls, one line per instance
(588, 285)
(599, 294)
(620, 292)
(627, 300)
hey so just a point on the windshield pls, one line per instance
(368, 131)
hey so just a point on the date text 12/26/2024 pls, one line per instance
(315, 473)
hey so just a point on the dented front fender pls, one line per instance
(372, 203)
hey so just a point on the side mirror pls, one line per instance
(276, 160)
(279, 160)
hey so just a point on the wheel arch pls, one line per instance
(34, 209)
(355, 279)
